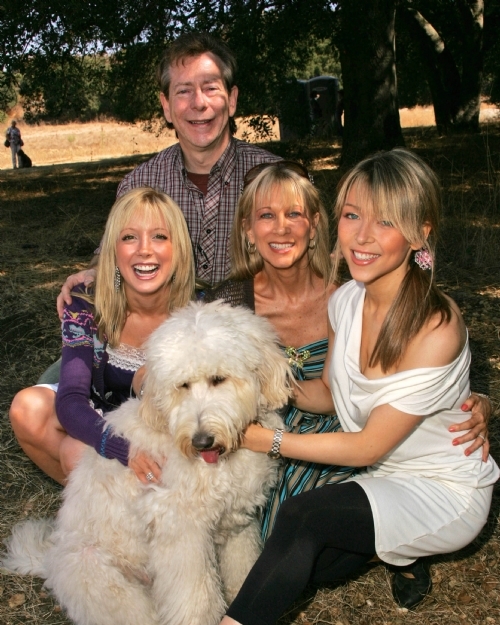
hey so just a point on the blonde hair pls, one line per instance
(111, 304)
(292, 186)
(405, 191)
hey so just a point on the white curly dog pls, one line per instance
(122, 553)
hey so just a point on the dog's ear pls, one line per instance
(149, 412)
(275, 376)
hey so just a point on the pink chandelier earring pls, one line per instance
(424, 259)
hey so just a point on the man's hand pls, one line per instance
(477, 425)
(87, 276)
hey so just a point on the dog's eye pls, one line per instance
(215, 381)
(185, 385)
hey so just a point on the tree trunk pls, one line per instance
(472, 12)
(456, 97)
(367, 56)
(442, 74)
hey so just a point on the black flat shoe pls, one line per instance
(409, 591)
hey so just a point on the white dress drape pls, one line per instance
(427, 497)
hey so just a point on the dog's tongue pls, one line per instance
(210, 455)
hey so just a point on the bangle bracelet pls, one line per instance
(274, 452)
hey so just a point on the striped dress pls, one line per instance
(295, 476)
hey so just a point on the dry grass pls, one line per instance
(71, 143)
(421, 116)
(51, 219)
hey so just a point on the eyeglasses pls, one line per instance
(294, 166)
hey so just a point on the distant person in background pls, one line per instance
(315, 106)
(13, 136)
(339, 112)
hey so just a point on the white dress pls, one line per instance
(426, 496)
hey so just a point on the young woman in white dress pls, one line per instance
(398, 372)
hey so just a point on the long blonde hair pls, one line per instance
(292, 186)
(404, 190)
(111, 304)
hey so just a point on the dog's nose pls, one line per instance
(203, 441)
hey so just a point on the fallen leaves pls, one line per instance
(16, 600)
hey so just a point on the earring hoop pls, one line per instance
(250, 247)
(118, 279)
(312, 243)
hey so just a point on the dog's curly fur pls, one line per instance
(174, 553)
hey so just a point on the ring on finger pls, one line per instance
(483, 437)
(150, 476)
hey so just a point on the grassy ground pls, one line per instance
(93, 141)
(51, 219)
(51, 144)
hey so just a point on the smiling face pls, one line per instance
(144, 255)
(374, 249)
(281, 230)
(198, 105)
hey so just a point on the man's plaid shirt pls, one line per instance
(209, 218)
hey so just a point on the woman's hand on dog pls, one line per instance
(143, 465)
(257, 438)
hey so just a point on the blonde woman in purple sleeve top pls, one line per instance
(145, 270)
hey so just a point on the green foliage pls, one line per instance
(8, 94)
(52, 44)
(324, 61)
(273, 43)
(63, 88)
(259, 125)
(62, 50)
(82, 58)
(132, 91)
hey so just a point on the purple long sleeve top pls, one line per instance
(94, 380)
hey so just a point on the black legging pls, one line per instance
(319, 536)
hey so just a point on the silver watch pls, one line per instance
(274, 452)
